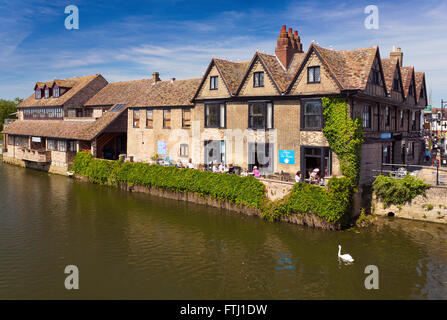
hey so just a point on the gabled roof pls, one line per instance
(407, 77)
(351, 68)
(146, 93)
(231, 73)
(81, 87)
(63, 129)
(420, 81)
(389, 67)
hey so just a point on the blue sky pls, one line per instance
(128, 40)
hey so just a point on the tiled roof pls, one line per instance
(351, 68)
(168, 93)
(389, 69)
(407, 75)
(275, 69)
(419, 76)
(64, 129)
(146, 93)
(232, 72)
(82, 88)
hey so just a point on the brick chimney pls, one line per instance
(397, 55)
(155, 77)
(287, 45)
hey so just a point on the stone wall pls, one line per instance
(432, 208)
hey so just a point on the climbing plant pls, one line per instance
(344, 135)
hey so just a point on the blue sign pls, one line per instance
(162, 147)
(385, 135)
(287, 156)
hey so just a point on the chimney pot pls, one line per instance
(287, 45)
(397, 55)
(155, 77)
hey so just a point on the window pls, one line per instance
(413, 121)
(316, 157)
(43, 113)
(167, 118)
(312, 115)
(184, 150)
(387, 116)
(52, 144)
(47, 93)
(62, 145)
(21, 141)
(56, 92)
(258, 79)
(422, 94)
(260, 115)
(215, 115)
(136, 118)
(10, 140)
(213, 83)
(88, 112)
(313, 74)
(410, 151)
(396, 84)
(410, 89)
(401, 118)
(149, 118)
(186, 118)
(71, 146)
(366, 116)
(375, 77)
(38, 94)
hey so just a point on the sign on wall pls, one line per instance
(162, 147)
(287, 156)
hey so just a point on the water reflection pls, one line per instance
(136, 246)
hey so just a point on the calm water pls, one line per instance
(137, 246)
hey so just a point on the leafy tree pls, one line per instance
(7, 108)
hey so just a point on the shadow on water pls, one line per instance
(138, 246)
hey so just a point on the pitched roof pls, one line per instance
(232, 72)
(389, 69)
(64, 129)
(275, 69)
(407, 76)
(351, 68)
(76, 86)
(420, 78)
(168, 93)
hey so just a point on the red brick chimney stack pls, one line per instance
(287, 45)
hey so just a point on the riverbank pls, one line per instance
(305, 204)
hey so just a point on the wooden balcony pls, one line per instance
(41, 156)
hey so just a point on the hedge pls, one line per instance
(332, 204)
(248, 191)
(398, 191)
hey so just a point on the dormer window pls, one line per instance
(47, 93)
(410, 90)
(258, 79)
(313, 74)
(375, 77)
(56, 92)
(422, 94)
(214, 83)
(38, 93)
(396, 84)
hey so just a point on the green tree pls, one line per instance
(7, 108)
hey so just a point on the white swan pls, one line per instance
(345, 257)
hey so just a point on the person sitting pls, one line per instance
(315, 175)
(216, 168)
(256, 172)
(222, 167)
(190, 165)
(298, 177)
(230, 168)
(244, 173)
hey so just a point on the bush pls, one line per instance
(398, 191)
(333, 205)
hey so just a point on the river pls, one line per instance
(136, 246)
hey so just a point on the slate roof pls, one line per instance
(81, 89)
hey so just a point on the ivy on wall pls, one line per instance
(344, 135)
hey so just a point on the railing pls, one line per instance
(434, 175)
(41, 156)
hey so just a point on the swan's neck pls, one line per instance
(339, 250)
